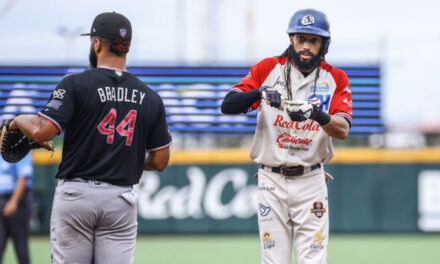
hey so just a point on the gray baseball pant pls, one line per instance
(92, 222)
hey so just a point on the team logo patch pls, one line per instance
(55, 104)
(307, 20)
(123, 32)
(323, 98)
(268, 241)
(318, 240)
(318, 209)
(264, 210)
(58, 94)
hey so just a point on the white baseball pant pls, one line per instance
(293, 211)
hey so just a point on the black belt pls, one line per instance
(94, 182)
(291, 171)
(83, 180)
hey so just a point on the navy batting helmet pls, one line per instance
(311, 21)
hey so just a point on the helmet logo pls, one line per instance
(307, 20)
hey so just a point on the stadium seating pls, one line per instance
(192, 95)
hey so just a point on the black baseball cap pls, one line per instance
(111, 25)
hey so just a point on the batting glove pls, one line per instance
(300, 110)
(272, 96)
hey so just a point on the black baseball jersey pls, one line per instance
(110, 119)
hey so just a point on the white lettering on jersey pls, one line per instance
(142, 97)
(101, 94)
(120, 94)
(133, 96)
(126, 96)
(108, 92)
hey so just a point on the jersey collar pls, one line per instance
(111, 68)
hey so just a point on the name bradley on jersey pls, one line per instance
(120, 94)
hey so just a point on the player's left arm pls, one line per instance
(35, 127)
(158, 142)
(157, 160)
(341, 108)
(338, 127)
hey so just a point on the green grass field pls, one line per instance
(222, 249)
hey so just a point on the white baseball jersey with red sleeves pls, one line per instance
(280, 141)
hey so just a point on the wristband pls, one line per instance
(320, 116)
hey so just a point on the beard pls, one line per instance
(305, 65)
(93, 59)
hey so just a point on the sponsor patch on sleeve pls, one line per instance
(55, 104)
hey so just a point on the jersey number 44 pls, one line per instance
(125, 128)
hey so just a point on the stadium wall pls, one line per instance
(375, 190)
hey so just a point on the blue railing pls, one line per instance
(192, 95)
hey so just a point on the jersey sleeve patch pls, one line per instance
(61, 105)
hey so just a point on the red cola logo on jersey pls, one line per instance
(286, 138)
(306, 126)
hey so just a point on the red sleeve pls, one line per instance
(341, 103)
(256, 77)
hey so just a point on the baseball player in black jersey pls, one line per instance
(110, 121)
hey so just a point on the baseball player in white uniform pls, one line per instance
(305, 103)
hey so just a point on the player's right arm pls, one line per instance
(246, 96)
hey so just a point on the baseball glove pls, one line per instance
(14, 145)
